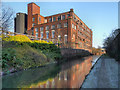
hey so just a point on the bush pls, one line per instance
(19, 38)
(9, 58)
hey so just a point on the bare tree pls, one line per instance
(110, 39)
(7, 17)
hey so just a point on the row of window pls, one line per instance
(80, 28)
(53, 26)
(80, 23)
(74, 26)
(47, 34)
(60, 17)
(53, 35)
(33, 19)
(81, 34)
(52, 19)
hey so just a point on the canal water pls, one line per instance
(69, 74)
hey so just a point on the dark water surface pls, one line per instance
(70, 74)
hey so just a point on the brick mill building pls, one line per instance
(66, 28)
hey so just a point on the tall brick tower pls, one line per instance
(33, 9)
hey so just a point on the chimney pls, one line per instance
(71, 10)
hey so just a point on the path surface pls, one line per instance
(103, 75)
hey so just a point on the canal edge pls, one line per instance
(91, 70)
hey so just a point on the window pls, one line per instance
(36, 29)
(63, 17)
(59, 38)
(72, 25)
(33, 24)
(41, 34)
(32, 32)
(41, 28)
(65, 38)
(36, 34)
(80, 23)
(45, 20)
(54, 18)
(47, 34)
(50, 19)
(74, 18)
(33, 19)
(68, 15)
(39, 19)
(59, 18)
(47, 28)
(58, 25)
(75, 27)
(65, 24)
(53, 27)
(53, 33)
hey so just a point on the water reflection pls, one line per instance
(71, 74)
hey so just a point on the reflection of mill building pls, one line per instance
(64, 28)
(71, 75)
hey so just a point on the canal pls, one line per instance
(69, 74)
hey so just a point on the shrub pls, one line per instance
(19, 38)
(9, 58)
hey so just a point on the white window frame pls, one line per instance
(73, 26)
(45, 20)
(53, 27)
(33, 19)
(41, 29)
(47, 28)
(36, 29)
(41, 34)
(33, 24)
(59, 37)
(64, 38)
(53, 36)
(65, 24)
(58, 25)
(46, 34)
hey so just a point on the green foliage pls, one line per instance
(9, 58)
(22, 55)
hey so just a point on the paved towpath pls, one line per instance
(103, 75)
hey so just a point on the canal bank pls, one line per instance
(103, 75)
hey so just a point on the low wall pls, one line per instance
(70, 53)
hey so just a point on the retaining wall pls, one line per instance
(70, 53)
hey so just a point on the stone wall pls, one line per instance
(71, 53)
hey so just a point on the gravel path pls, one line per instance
(103, 75)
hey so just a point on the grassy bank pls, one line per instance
(18, 52)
